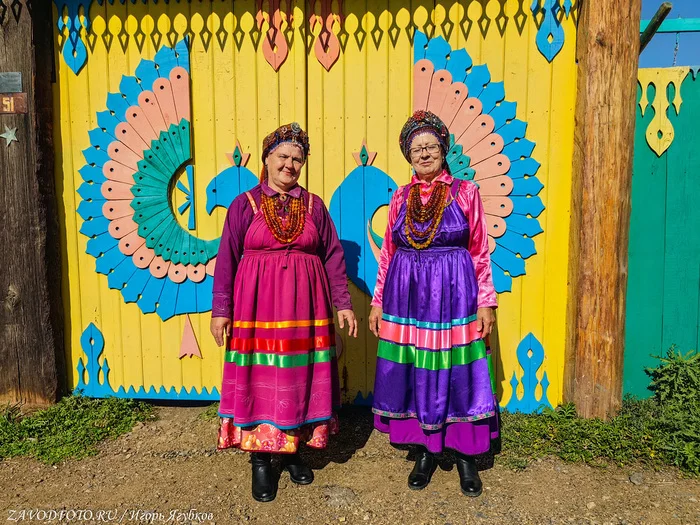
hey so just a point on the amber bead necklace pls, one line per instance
(287, 228)
(419, 213)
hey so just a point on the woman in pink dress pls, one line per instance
(280, 270)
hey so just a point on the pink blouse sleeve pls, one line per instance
(469, 201)
(388, 247)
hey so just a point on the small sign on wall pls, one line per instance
(10, 82)
(13, 103)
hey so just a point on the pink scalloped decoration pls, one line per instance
(480, 128)
(422, 77)
(164, 95)
(131, 242)
(196, 273)
(501, 185)
(113, 190)
(498, 206)
(440, 89)
(139, 121)
(123, 155)
(127, 135)
(491, 167)
(159, 267)
(143, 257)
(177, 273)
(116, 209)
(180, 85)
(149, 105)
(211, 266)
(488, 147)
(121, 227)
(496, 225)
(454, 100)
(118, 172)
(471, 109)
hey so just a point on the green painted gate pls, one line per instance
(663, 291)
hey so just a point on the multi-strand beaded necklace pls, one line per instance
(428, 215)
(285, 216)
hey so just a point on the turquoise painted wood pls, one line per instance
(674, 25)
(663, 289)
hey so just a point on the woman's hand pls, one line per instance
(219, 327)
(349, 316)
(375, 318)
(485, 319)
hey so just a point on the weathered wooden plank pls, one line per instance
(682, 247)
(31, 322)
(645, 285)
(608, 55)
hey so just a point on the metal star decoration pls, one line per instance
(10, 135)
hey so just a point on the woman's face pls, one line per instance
(284, 166)
(426, 156)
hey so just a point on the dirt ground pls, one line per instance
(169, 471)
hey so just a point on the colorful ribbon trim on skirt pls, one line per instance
(282, 324)
(425, 324)
(261, 344)
(432, 359)
(280, 361)
(430, 338)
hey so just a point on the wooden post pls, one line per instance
(32, 367)
(608, 54)
(654, 24)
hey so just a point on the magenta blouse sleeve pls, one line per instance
(469, 200)
(332, 255)
(238, 218)
(388, 248)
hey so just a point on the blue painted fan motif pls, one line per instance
(139, 150)
(488, 147)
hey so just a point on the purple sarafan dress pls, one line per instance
(434, 384)
(280, 382)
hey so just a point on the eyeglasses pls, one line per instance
(433, 149)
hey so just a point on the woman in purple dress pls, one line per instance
(279, 272)
(433, 306)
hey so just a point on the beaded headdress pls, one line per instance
(286, 133)
(423, 121)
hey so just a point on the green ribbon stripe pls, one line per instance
(425, 324)
(432, 360)
(279, 360)
(492, 374)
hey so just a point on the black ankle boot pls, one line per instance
(264, 486)
(469, 480)
(299, 473)
(422, 471)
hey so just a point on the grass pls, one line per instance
(629, 437)
(662, 430)
(71, 428)
(211, 413)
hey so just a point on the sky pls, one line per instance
(661, 50)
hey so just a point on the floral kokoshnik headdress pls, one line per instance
(423, 121)
(291, 133)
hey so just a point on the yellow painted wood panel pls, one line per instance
(367, 94)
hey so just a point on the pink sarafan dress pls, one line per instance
(280, 380)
